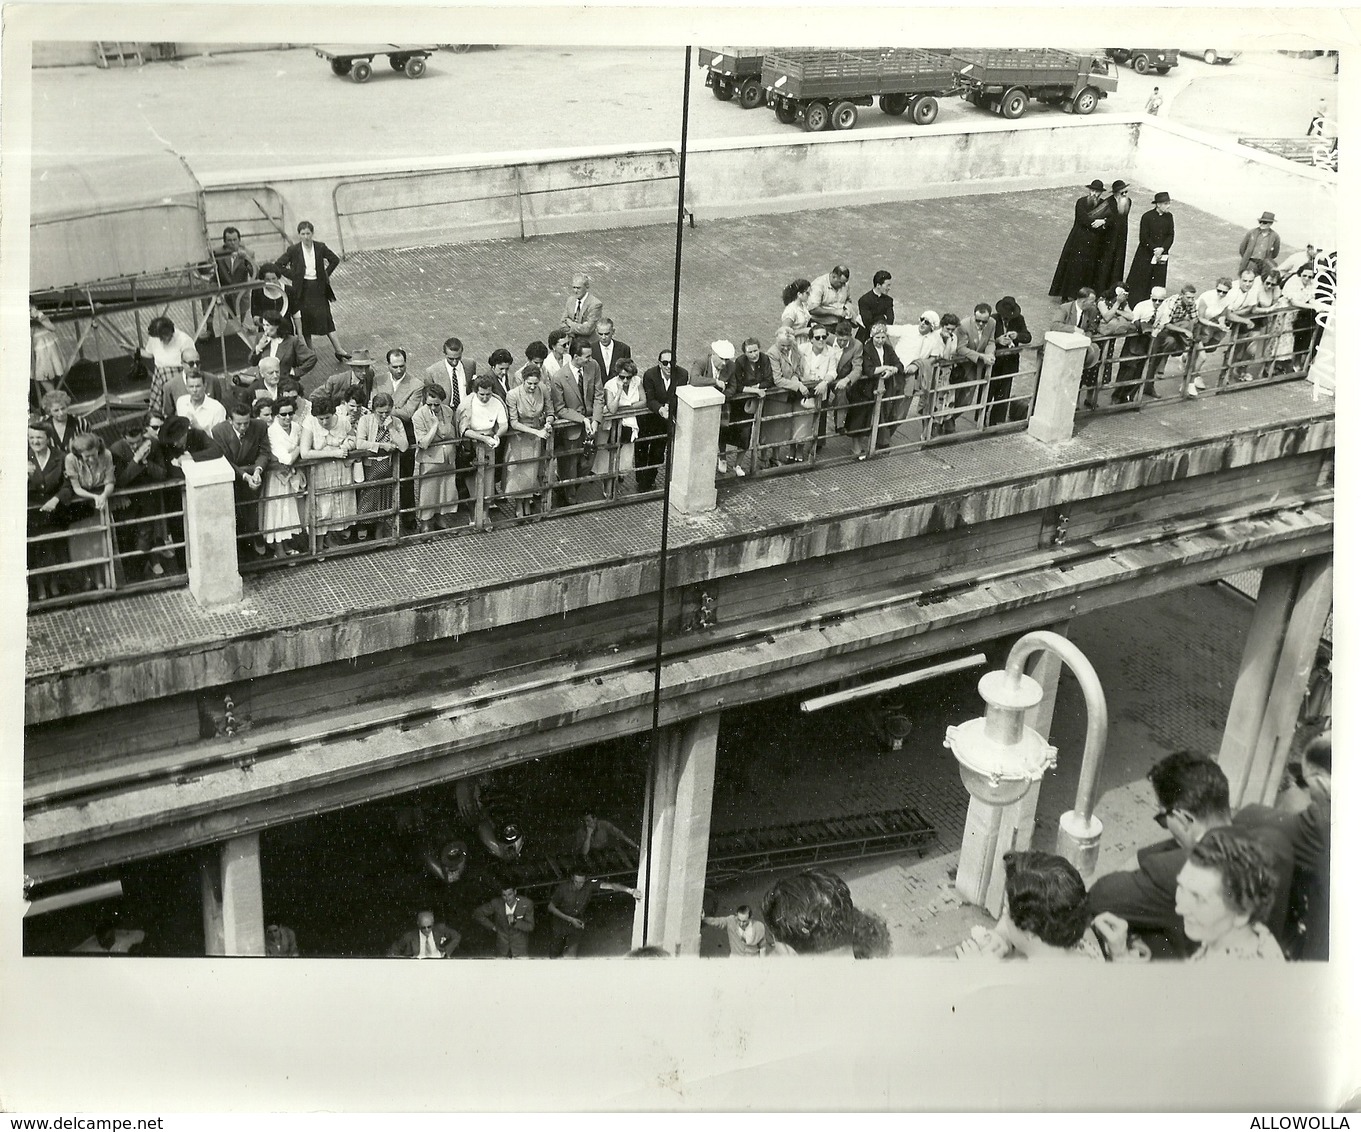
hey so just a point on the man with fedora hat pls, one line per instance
(357, 370)
(1260, 246)
(1081, 256)
(1148, 269)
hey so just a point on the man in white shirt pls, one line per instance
(203, 412)
(1294, 262)
(1134, 353)
(607, 351)
(829, 299)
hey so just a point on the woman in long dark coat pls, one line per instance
(1156, 233)
(1081, 254)
(1111, 269)
(308, 265)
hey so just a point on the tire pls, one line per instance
(397, 62)
(844, 116)
(461, 48)
(340, 66)
(1140, 64)
(816, 117)
(415, 67)
(1086, 100)
(786, 113)
(722, 89)
(1015, 103)
(1211, 57)
(1162, 70)
(893, 104)
(362, 70)
(750, 95)
(924, 110)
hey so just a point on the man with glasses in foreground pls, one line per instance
(1193, 798)
(659, 389)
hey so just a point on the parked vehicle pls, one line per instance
(1006, 79)
(1144, 59)
(734, 71)
(823, 89)
(1210, 55)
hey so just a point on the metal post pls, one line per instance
(754, 449)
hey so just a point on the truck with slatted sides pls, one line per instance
(1006, 80)
(822, 89)
(1141, 60)
(734, 72)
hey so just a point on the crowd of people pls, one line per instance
(1257, 323)
(1250, 885)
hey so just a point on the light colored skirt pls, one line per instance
(525, 465)
(436, 490)
(281, 504)
(333, 509)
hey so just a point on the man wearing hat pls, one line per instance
(1078, 263)
(715, 369)
(1260, 246)
(357, 370)
(1148, 269)
(1111, 265)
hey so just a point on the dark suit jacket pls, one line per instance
(1147, 898)
(702, 368)
(654, 389)
(587, 402)
(511, 938)
(247, 453)
(409, 945)
(850, 363)
(289, 365)
(291, 265)
(621, 351)
(871, 359)
(44, 483)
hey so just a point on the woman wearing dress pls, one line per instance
(47, 366)
(796, 316)
(482, 420)
(1274, 319)
(308, 264)
(624, 391)
(777, 421)
(380, 436)
(89, 471)
(48, 494)
(327, 443)
(61, 426)
(531, 423)
(436, 484)
(535, 353)
(752, 379)
(285, 483)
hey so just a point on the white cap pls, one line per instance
(933, 318)
(1158, 293)
(724, 349)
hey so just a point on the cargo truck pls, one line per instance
(1007, 79)
(734, 71)
(824, 89)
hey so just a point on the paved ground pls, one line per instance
(276, 109)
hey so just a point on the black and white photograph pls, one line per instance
(607, 493)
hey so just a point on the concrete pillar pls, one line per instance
(233, 907)
(1293, 602)
(694, 449)
(1065, 356)
(671, 874)
(210, 533)
(1016, 822)
(1323, 371)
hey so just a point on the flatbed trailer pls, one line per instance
(1006, 79)
(1141, 60)
(735, 71)
(356, 60)
(823, 89)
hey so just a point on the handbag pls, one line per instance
(359, 471)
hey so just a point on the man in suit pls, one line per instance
(659, 388)
(235, 265)
(1193, 796)
(1260, 246)
(976, 351)
(511, 917)
(407, 391)
(607, 351)
(454, 374)
(276, 341)
(583, 311)
(1080, 316)
(716, 370)
(577, 393)
(428, 940)
(244, 441)
(852, 350)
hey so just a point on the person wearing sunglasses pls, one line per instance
(1192, 796)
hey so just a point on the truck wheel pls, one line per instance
(397, 62)
(722, 88)
(750, 95)
(1211, 57)
(816, 117)
(1015, 103)
(786, 113)
(924, 110)
(1162, 70)
(362, 70)
(845, 115)
(415, 67)
(1086, 100)
(1140, 64)
(340, 66)
(893, 104)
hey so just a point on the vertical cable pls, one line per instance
(654, 748)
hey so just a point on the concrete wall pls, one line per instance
(77, 53)
(1236, 182)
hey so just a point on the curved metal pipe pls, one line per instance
(1044, 640)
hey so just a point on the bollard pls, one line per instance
(694, 449)
(1060, 382)
(210, 533)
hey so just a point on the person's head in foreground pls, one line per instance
(811, 913)
(1045, 908)
(1224, 892)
